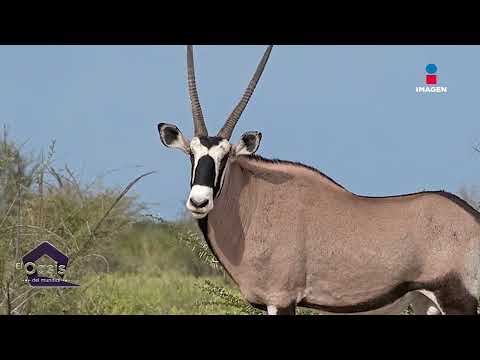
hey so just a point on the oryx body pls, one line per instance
(290, 236)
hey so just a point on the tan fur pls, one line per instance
(288, 235)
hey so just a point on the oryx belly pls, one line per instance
(420, 302)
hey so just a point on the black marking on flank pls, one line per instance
(372, 304)
(449, 290)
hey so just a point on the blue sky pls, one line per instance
(350, 111)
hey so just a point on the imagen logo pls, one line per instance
(41, 275)
(431, 79)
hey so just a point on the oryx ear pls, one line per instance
(249, 143)
(173, 138)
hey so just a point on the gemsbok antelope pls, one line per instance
(290, 236)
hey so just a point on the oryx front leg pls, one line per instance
(272, 310)
(275, 310)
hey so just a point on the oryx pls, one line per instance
(290, 236)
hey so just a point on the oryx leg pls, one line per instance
(425, 303)
(457, 302)
(455, 298)
(274, 310)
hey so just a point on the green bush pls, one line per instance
(48, 204)
(151, 248)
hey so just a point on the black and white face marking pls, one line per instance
(209, 157)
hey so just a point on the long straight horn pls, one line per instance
(227, 130)
(198, 121)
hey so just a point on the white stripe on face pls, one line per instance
(198, 150)
(216, 152)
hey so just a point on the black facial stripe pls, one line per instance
(218, 185)
(208, 142)
(192, 161)
(205, 172)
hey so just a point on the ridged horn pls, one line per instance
(198, 121)
(227, 129)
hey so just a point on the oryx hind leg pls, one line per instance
(456, 300)
(453, 296)
(425, 303)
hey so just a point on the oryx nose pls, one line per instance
(198, 204)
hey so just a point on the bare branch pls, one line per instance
(75, 184)
(56, 175)
(23, 294)
(8, 211)
(9, 303)
(24, 302)
(129, 186)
